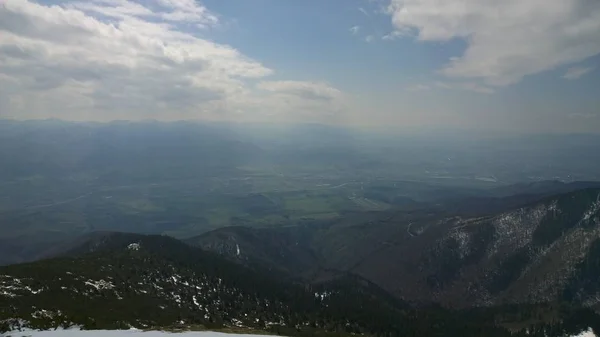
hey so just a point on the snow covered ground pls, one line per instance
(121, 333)
(588, 333)
(139, 333)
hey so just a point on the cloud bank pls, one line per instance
(106, 59)
(506, 40)
(574, 73)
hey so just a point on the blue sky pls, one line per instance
(518, 65)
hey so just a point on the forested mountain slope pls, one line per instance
(544, 251)
(118, 280)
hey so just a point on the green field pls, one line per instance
(182, 209)
(191, 206)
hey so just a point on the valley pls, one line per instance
(183, 226)
(366, 168)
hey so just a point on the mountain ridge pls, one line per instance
(124, 280)
(500, 258)
(120, 273)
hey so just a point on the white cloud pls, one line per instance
(309, 90)
(356, 29)
(578, 115)
(468, 86)
(419, 87)
(309, 98)
(508, 39)
(574, 73)
(119, 9)
(362, 10)
(115, 59)
(394, 35)
(187, 10)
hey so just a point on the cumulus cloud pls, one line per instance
(506, 40)
(308, 90)
(574, 73)
(468, 86)
(109, 59)
(396, 34)
(354, 29)
(310, 97)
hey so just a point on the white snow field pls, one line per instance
(140, 333)
(118, 333)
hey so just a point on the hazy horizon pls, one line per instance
(512, 66)
(440, 131)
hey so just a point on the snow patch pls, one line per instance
(7, 294)
(123, 333)
(99, 285)
(10, 287)
(587, 333)
(515, 229)
(177, 298)
(45, 313)
(35, 292)
(134, 246)
(463, 239)
(322, 296)
(593, 210)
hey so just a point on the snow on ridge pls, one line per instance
(515, 229)
(13, 287)
(323, 295)
(134, 246)
(594, 209)
(587, 333)
(42, 313)
(100, 285)
(463, 239)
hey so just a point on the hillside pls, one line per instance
(123, 280)
(120, 281)
(544, 251)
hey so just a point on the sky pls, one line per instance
(515, 65)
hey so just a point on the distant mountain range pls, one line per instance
(150, 150)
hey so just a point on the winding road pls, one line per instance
(408, 230)
(62, 202)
